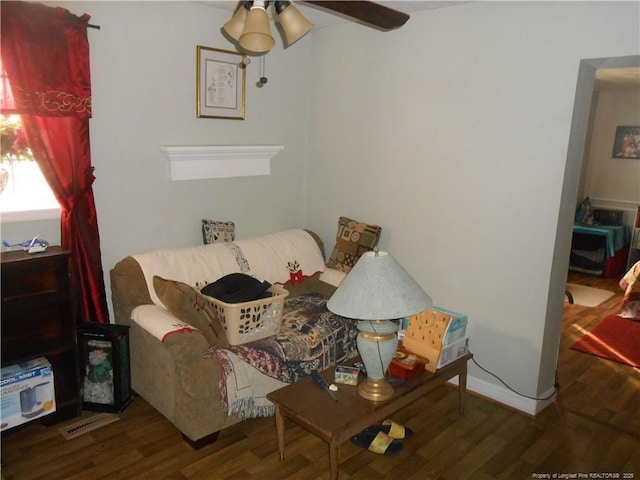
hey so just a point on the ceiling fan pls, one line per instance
(372, 14)
(249, 25)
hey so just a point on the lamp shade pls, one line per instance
(256, 36)
(378, 288)
(235, 26)
(293, 23)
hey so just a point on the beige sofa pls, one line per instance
(169, 368)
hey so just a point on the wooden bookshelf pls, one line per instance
(38, 321)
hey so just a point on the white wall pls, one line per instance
(453, 137)
(143, 66)
(613, 182)
(450, 132)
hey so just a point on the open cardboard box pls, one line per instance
(438, 335)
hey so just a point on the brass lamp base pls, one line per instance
(375, 390)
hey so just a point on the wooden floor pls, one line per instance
(593, 428)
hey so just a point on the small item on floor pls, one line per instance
(391, 428)
(379, 442)
(333, 388)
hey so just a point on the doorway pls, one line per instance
(564, 231)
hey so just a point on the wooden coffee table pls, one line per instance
(335, 422)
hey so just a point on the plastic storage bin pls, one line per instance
(248, 321)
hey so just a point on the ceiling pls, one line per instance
(606, 79)
(321, 18)
(617, 79)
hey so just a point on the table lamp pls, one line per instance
(376, 290)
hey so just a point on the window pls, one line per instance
(24, 193)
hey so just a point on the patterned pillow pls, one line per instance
(352, 240)
(214, 231)
(189, 305)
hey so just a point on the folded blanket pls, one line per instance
(243, 389)
(279, 257)
(285, 256)
(630, 283)
(311, 338)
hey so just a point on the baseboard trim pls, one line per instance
(507, 397)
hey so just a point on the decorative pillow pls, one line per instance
(237, 288)
(189, 305)
(352, 240)
(214, 231)
(311, 284)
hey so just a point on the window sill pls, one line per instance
(31, 215)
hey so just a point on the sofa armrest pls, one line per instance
(184, 341)
(186, 347)
(176, 379)
(128, 289)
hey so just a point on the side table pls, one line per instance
(306, 404)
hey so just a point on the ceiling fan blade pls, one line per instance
(369, 13)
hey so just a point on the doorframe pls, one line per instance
(568, 199)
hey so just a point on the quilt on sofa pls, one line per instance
(311, 338)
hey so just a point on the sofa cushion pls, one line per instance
(352, 240)
(275, 257)
(190, 306)
(216, 231)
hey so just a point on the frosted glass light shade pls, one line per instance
(256, 36)
(235, 26)
(294, 24)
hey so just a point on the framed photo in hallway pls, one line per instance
(220, 83)
(627, 143)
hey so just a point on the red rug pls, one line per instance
(614, 338)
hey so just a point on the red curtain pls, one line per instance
(45, 54)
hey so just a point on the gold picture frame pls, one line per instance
(221, 83)
(626, 143)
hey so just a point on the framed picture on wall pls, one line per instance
(220, 83)
(627, 143)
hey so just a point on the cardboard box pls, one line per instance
(347, 375)
(432, 332)
(457, 328)
(453, 352)
(26, 392)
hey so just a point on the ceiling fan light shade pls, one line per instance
(256, 36)
(235, 25)
(293, 23)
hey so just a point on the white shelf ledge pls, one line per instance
(219, 161)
